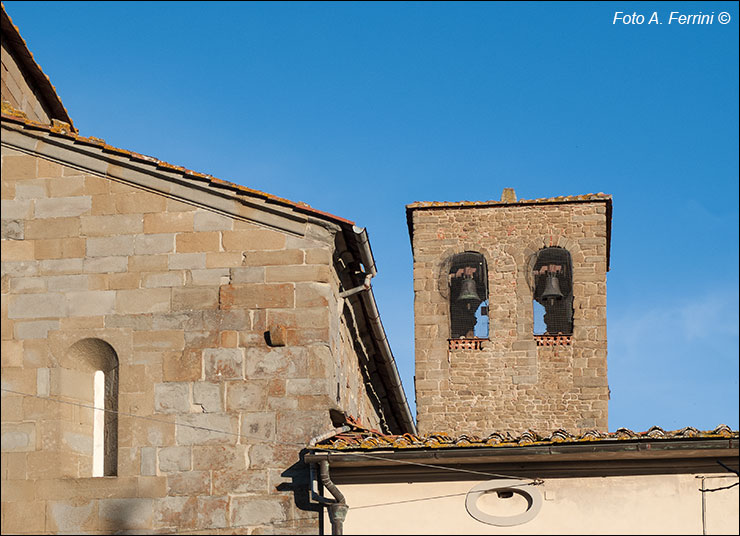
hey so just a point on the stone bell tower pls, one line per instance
(510, 313)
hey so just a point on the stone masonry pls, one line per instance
(216, 321)
(511, 383)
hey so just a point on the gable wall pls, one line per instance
(17, 92)
(185, 297)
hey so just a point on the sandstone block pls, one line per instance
(189, 483)
(19, 166)
(198, 242)
(312, 294)
(67, 186)
(259, 426)
(257, 296)
(91, 303)
(253, 239)
(318, 256)
(212, 429)
(187, 261)
(312, 386)
(73, 516)
(60, 207)
(208, 396)
(306, 272)
(139, 202)
(105, 265)
(210, 221)
(223, 363)
(185, 366)
(240, 482)
(213, 277)
(172, 397)
(143, 301)
(125, 514)
(168, 222)
(18, 437)
(280, 362)
(249, 396)
(37, 306)
(153, 244)
(223, 259)
(16, 209)
(193, 299)
(12, 229)
(115, 224)
(164, 279)
(148, 461)
(257, 511)
(66, 282)
(251, 274)
(274, 257)
(38, 329)
(17, 250)
(174, 459)
(222, 457)
(11, 353)
(110, 246)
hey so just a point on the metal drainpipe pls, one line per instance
(337, 509)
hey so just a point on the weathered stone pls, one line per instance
(257, 511)
(257, 296)
(223, 363)
(110, 246)
(125, 514)
(172, 398)
(208, 396)
(249, 396)
(206, 429)
(209, 221)
(174, 459)
(61, 207)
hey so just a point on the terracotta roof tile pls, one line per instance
(359, 438)
(61, 129)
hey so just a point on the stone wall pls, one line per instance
(217, 324)
(16, 90)
(511, 384)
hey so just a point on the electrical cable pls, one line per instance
(534, 481)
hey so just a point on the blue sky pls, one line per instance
(359, 109)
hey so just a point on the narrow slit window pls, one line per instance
(552, 302)
(468, 282)
(99, 424)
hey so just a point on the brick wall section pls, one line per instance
(184, 296)
(511, 384)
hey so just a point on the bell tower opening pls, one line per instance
(468, 283)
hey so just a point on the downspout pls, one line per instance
(336, 507)
(368, 299)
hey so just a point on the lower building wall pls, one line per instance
(650, 504)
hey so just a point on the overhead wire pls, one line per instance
(534, 481)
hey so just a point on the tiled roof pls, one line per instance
(359, 438)
(64, 130)
(542, 200)
(12, 37)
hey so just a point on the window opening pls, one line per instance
(552, 303)
(94, 362)
(99, 424)
(468, 282)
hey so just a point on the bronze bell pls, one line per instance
(468, 291)
(552, 289)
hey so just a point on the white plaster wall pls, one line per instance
(657, 504)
